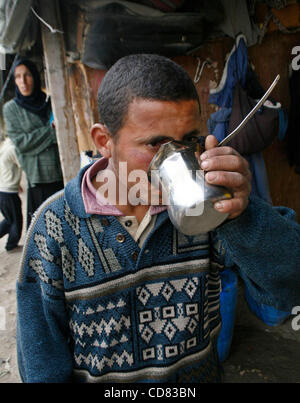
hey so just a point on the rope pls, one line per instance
(271, 17)
(53, 30)
(199, 71)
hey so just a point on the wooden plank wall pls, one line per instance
(270, 58)
(54, 54)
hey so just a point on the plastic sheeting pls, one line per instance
(119, 28)
(18, 26)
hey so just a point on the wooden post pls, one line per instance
(82, 104)
(55, 61)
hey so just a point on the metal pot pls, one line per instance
(189, 198)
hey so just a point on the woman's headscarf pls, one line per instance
(35, 102)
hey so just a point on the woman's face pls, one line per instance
(24, 80)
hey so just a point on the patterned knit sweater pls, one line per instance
(94, 307)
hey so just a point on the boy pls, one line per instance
(113, 292)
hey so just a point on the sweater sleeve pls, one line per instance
(264, 243)
(31, 142)
(43, 349)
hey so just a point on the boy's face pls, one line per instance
(149, 124)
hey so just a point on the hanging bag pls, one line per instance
(260, 131)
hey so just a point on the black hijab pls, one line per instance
(36, 102)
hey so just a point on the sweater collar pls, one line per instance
(79, 191)
(73, 196)
(93, 203)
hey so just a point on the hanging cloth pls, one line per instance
(235, 71)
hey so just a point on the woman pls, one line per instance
(27, 122)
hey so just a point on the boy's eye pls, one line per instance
(158, 143)
(191, 139)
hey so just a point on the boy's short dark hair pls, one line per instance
(143, 76)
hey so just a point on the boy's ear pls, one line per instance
(102, 139)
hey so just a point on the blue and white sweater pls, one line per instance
(94, 307)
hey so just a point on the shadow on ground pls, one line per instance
(261, 353)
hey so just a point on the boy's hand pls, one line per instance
(224, 166)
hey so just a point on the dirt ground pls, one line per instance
(259, 353)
